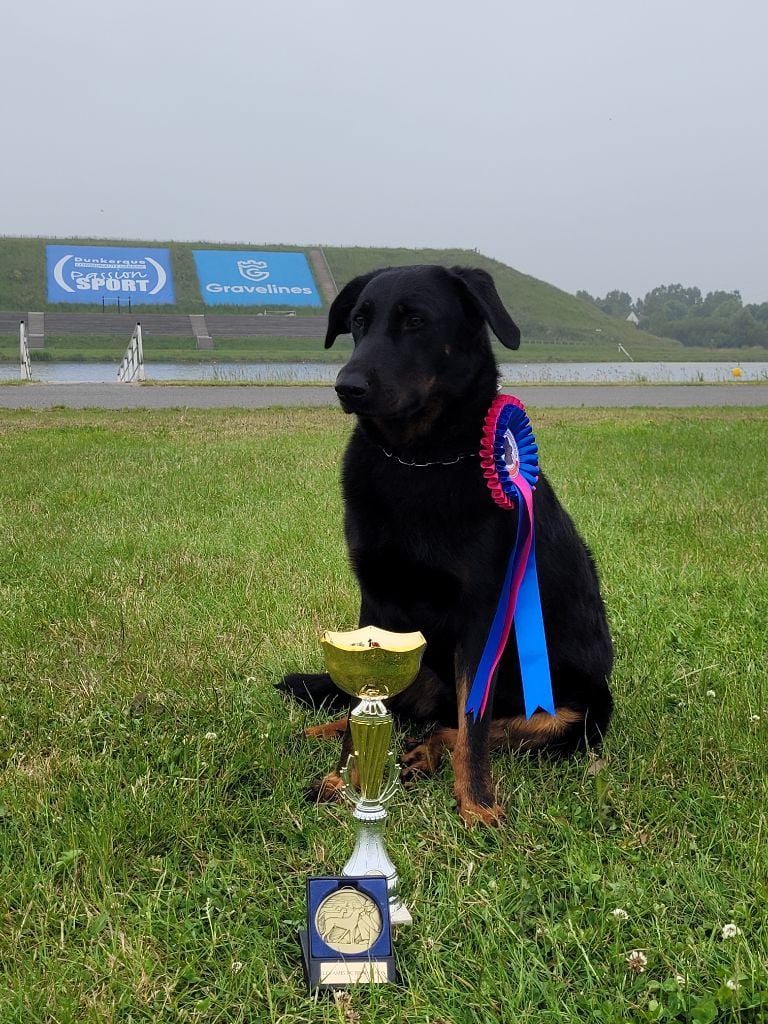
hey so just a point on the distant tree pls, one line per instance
(719, 320)
(655, 300)
(718, 331)
(728, 310)
(759, 312)
(674, 309)
(745, 330)
(616, 303)
(714, 300)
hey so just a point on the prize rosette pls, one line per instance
(508, 449)
(509, 457)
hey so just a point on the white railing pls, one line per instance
(622, 349)
(132, 366)
(26, 366)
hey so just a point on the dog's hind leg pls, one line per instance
(315, 690)
(559, 734)
(329, 730)
(424, 757)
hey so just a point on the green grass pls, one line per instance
(159, 571)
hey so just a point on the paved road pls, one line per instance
(156, 396)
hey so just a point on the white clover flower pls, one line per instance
(754, 719)
(237, 966)
(637, 961)
(680, 980)
(211, 736)
(711, 693)
(619, 914)
(732, 984)
(730, 931)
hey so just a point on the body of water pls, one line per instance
(325, 373)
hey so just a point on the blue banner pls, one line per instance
(255, 278)
(79, 273)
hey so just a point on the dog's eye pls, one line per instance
(358, 321)
(412, 322)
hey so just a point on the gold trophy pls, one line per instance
(372, 664)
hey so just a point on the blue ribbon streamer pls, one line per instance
(476, 696)
(531, 642)
(529, 630)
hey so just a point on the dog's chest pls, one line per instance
(427, 514)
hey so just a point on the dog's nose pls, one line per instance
(351, 385)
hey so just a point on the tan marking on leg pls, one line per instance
(475, 807)
(327, 731)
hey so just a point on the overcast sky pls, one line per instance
(595, 144)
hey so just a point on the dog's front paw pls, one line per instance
(472, 813)
(326, 789)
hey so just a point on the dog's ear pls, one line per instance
(482, 292)
(342, 306)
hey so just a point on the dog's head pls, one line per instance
(419, 333)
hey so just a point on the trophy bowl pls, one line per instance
(372, 662)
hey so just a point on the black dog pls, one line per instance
(428, 544)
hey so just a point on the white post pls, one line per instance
(132, 366)
(26, 366)
(140, 353)
(622, 349)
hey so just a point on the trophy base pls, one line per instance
(399, 914)
(348, 936)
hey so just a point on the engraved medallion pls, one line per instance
(348, 921)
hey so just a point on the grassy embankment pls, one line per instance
(159, 571)
(556, 326)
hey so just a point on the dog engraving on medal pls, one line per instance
(348, 921)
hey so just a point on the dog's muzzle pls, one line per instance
(352, 387)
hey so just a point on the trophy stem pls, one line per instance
(370, 857)
(377, 772)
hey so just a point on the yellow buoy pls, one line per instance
(736, 371)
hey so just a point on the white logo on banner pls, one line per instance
(115, 275)
(253, 270)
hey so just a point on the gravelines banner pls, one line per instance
(252, 278)
(80, 273)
